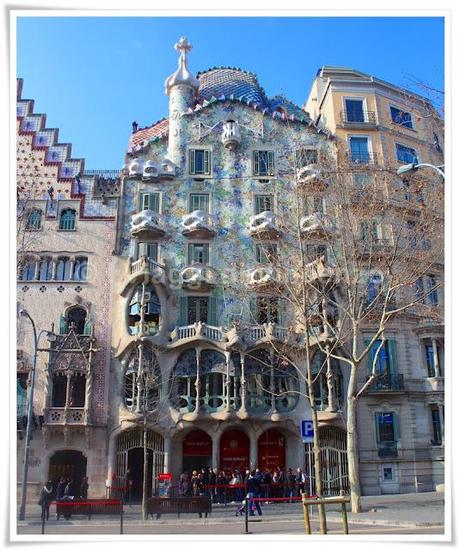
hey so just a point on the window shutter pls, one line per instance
(256, 162)
(63, 327)
(190, 258)
(206, 254)
(144, 202)
(395, 427)
(270, 160)
(282, 313)
(212, 310)
(192, 161)
(155, 202)
(87, 328)
(377, 427)
(183, 311)
(206, 162)
(253, 310)
(393, 357)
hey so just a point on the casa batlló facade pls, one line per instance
(173, 323)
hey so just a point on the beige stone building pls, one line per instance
(379, 125)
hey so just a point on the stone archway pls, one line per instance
(69, 464)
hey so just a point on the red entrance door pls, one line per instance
(234, 450)
(271, 450)
(196, 451)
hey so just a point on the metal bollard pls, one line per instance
(246, 517)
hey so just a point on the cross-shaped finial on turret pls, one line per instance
(183, 45)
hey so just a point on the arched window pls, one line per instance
(46, 269)
(152, 311)
(27, 272)
(67, 219)
(34, 220)
(64, 269)
(257, 369)
(76, 317)
(80, 270)
(150, 382)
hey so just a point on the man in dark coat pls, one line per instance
(252, 489)
(60, 488)
(45, 498)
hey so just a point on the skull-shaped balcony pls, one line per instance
(264, 226)
(158, 170)
(310, 177)
(146, 225)
(198, 224)
(315, 226)
(263, 277)
(198, 277)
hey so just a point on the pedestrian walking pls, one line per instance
(45, 498)
(252, 492)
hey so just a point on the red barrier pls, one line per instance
(86, 503)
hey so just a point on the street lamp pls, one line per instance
(413, 166)
(30, 406)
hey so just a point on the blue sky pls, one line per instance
(93, 76)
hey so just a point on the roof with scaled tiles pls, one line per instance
(226, 84)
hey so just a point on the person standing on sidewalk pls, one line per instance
(45, 498)
(252, 488)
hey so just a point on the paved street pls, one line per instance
(266, 526)
(421, 513)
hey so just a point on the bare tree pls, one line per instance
(360, 250)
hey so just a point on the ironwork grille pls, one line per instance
(334, 464)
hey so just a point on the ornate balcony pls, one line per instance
(198, 277)
(231, 135)
(264, 226)
(269, 331)
(315, 225)
(310, 176)
(61, 416)
(146, 225)
(357, 120)
(362, 159)
(198, 331)
(198, 224)
(263, 277)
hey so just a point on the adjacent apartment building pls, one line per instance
(163, 290)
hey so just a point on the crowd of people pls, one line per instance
(233, 487)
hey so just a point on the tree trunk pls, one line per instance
(318, 481)
(352, 444)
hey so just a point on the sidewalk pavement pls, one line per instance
(406, 510)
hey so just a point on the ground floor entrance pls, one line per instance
(130, 462)
(234, 451)
(196, 451)
(271, 450)
(69, 464)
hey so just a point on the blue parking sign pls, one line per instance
(306, 431)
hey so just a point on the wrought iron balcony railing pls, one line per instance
(358, 117)
(387, 382)
(362, 158)
(388, 449)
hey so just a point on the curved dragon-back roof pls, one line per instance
(226, 84)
